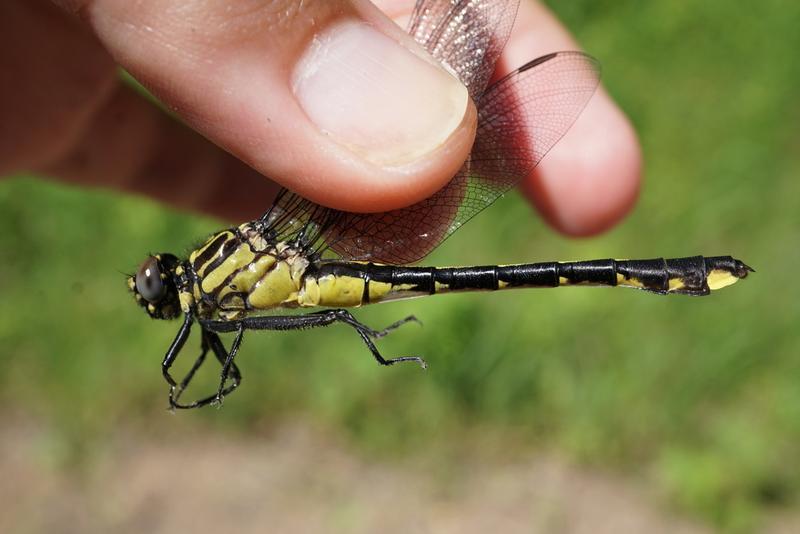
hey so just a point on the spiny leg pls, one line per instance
(222, 356)
(377, 334)
(317, 320)
(176, 392)
(227, 365)
(367, 334)
(173, 351)
(210, 340)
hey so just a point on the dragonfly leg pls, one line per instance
(176, 392)
(174, 350)
(377, 334)
(230, 372)
(222, 355)
(367, 334)
(228, 366)
(318, 320)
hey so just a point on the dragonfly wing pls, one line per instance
(520, 118)
(467, 36)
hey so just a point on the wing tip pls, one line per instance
(538, 61)
(548, 57)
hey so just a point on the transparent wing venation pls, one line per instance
(520, 118)
(467, 36)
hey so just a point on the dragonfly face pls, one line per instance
(154, 286)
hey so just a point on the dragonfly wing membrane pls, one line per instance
(467, 36)
(520, 118)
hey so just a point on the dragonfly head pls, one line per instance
(154, 286)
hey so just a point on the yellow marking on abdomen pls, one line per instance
(676, 284)
(629, 282)
(348, 291)
(378, 291)
(340, 290)
(719, 278)
(385, 292)
(439, 287)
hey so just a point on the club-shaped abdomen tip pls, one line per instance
(742, 269)
(726, 272)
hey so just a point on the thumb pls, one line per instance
(328, 98)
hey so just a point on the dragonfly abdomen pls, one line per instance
(696, 275)
(354, 284)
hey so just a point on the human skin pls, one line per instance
(243, 75)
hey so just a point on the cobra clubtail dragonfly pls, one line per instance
(300, 255)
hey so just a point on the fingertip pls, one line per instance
(590, 180)
(397, 121)
(358, 185)
(329, 99)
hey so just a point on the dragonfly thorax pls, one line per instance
(242, 270)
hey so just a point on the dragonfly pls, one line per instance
(302, 265)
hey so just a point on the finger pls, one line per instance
(67, 116)
(131, 145)
(330, 99)
(590, 179)
(397, 10)
(55, 76)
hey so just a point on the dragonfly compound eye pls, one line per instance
(149, 282)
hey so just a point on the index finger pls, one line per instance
(590, 179)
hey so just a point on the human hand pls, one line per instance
(240, 74)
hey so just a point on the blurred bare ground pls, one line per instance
(299, 480)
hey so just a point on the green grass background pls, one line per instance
(698, 397)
